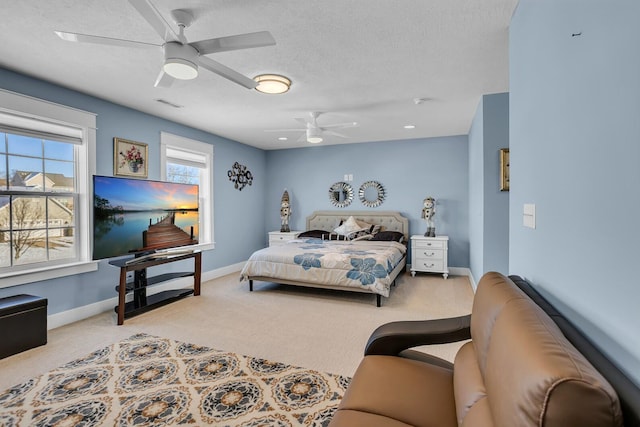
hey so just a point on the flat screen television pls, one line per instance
(135, 216)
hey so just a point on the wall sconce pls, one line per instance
(240, 176)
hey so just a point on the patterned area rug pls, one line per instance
(150, 381)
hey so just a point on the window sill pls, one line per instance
(23, 277)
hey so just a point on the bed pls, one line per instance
(316, 259)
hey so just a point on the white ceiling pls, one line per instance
(356, 60)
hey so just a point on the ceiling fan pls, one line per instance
(313, 132)
(181, 58)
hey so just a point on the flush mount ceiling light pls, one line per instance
(272, 83)
(314, 135)
(409, 126)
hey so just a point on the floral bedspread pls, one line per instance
(360, 264)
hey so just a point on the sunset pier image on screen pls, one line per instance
(137, 216)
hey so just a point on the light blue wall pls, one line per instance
(488, 206)
(410, 170)
(574, 109)
(476, 193)
(496, 202)
(233, 244)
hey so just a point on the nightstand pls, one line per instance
(281, 237)
(429, 255)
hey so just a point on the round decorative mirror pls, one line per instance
(371, 194)
(341, 194)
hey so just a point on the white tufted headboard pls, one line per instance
(389, 220)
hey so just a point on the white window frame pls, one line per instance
(201, 149)
(19, 105)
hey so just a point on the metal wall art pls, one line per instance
(371, 194)
(240, 176)
(341, 194)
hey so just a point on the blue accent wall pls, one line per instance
(232, 207)
(574, 129)
(488, 206)
(409, 170)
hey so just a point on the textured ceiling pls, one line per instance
(357, 60)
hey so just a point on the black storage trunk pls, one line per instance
(23, 323)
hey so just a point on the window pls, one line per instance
(44, 182)
(188, 161)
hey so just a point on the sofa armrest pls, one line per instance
(392, 338)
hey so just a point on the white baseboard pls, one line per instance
(79, 313)
(458, 271)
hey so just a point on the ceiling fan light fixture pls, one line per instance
(272, 83)
(314, 136)
(180, 69)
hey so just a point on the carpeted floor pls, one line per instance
(316, 329)
(151, 381)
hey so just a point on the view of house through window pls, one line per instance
(38, 200)
(182, 174)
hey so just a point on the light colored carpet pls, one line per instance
(311, 328)
(152, 381)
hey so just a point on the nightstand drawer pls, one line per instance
(435, 244)
(281, 237)
(427, 265)
(426, 254)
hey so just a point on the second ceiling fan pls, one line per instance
(313, 132)
(181, 58)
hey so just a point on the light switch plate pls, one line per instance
(529, 215)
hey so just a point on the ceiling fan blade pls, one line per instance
(303, 121)
(340, 125)
(303, 138)
(226, 72)
(240, 41)
(285, 130)
(330, 132)
(153, 17)
(85, 38)
(163, 80)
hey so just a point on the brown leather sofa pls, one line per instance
(517, 370)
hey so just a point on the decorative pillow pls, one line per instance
(365, 236)
(373, 228)
(389, 236)
(316, 234)
(363, 224)
(348, 227)
(333, 236)
(357, 235)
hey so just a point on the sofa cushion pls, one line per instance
(468, 384)
(534, 376)
(346, 417)
(409, 391)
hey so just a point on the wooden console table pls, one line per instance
(143, 302)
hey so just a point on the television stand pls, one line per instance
(141, 301)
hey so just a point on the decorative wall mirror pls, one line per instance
(341, 194)
(371, 194)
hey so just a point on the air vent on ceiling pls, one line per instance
(171, 104)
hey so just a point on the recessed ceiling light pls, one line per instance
(282, 138)
(272, 83)
(409, 126)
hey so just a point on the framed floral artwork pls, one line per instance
(130, 158)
